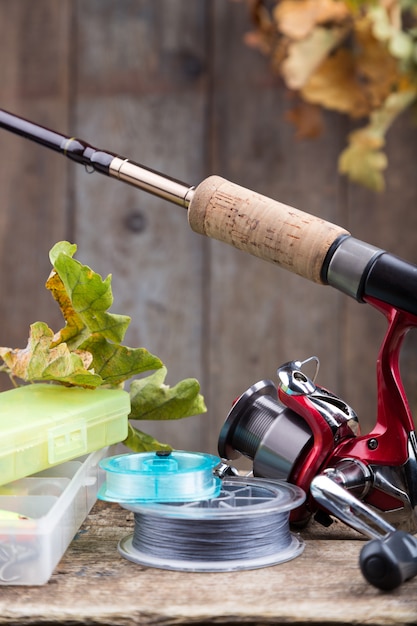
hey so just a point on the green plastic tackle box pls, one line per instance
(42, 425)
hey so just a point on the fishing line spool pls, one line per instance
(160, 477)
(243, 524)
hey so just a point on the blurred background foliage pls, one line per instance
(351, 56)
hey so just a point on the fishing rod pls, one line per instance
(297, 241)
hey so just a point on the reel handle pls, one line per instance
(387, 562)
(390, 558)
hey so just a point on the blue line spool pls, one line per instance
(154, 477)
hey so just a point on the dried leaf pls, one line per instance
(297, 18)
(363, 160)
(377, 72)
(306, 55)
(334, 86)
(75, 330)
(307, 118)
(39, 361)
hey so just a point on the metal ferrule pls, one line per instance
(162, 186)
(349, 264)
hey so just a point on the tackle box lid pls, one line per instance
(44, 424)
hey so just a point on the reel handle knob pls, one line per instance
(387, 562)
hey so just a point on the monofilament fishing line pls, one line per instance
(245, 527)
(159, 477)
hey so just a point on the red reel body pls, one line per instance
(305, 430)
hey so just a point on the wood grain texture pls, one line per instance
(34, 185)
(261, 316)
(143, 75)
(171, 85)
(391, 220)
(94, 585)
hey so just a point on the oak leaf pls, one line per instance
(152, 399)
(363, 160)
(297, 18)
(90, 297)
(138, 441)
(88, 352)
(39, 361)
(116, 363)
(334, 86)
(306, 55)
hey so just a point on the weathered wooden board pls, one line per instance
(34, 198)
(93, 584)
(171, 84)
(388, 221)
(261, 316)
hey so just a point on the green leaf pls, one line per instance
(139, 441)
(87, 352)
(151, 399)
(90, 295)
(39, 361)
(74, 331)
(62, 247)
(116, 363)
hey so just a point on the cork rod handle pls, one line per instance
(273, 231)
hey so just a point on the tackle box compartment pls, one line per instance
(41, 514)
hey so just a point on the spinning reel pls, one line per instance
(303, 433)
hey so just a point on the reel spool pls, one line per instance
(262, 429)
(188, 519)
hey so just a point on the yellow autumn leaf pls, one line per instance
(297, 18)
(355, 80)
(377, 71)
(363, 161)
(39, 361)
(334, 86)
(305, 56)
(74, 326)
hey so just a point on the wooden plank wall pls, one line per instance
(170, 84)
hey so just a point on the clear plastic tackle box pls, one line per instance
(41, 514)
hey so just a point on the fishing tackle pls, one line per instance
(295, 430)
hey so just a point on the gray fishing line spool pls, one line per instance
(245, 527)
